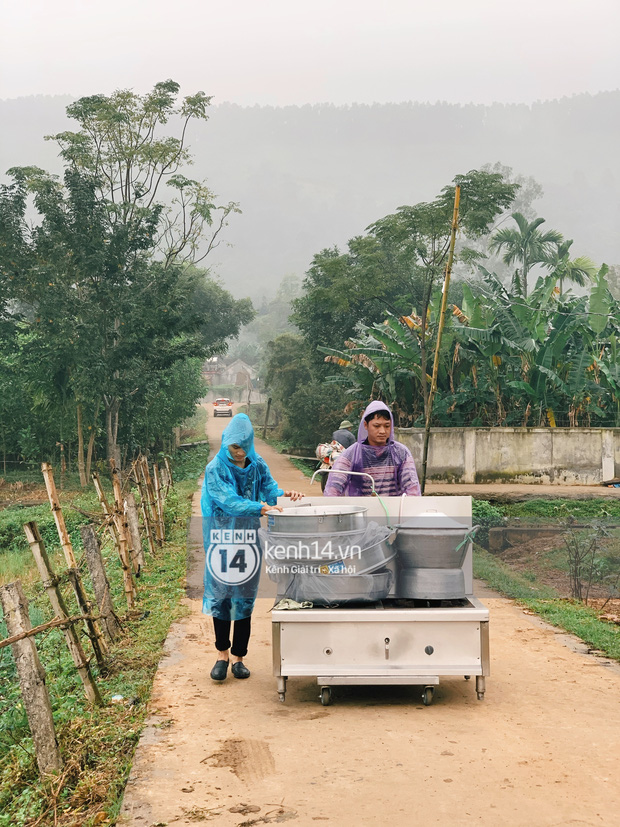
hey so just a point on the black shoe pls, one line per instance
(219, 671)
(239, 670)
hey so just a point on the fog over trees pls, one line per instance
(311, 177)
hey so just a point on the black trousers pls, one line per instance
(241, 636)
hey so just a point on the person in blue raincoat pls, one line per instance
(237, 490)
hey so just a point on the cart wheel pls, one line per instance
(326, 695)
(480, 696)
(427, 696)
(467, 677)
(281, 696)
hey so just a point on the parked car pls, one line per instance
(222, 407)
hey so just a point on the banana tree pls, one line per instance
(384, 361)
(540, 352)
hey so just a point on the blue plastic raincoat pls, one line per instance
(231, 503)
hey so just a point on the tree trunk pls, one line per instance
(99, 579)
(31, 679)
(423, 360)
(131, 511)
(80, 449)
(112, 406)
(91, 442)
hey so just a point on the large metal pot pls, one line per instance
(330, 589)
(357, 552)
(316, 519)
(431, 584)
(319, 548)
(432, 540)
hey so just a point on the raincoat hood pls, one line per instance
(239, 431)
(362, 432)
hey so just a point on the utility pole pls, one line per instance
(442, 314)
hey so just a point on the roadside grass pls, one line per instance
(570, 615)
(306, 467)
(189, 463)
(195, 428)
(551, 512)
(15, 557)
(97, 744)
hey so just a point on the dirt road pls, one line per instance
(540, 751)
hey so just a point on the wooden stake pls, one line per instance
(131, 513)
(51, 624)
(170, 480)
(94, 561)
(120, 518)
(59, 519)
(128, 584)
(31, 679)
(145, 514)
(159, 503)
(148, 484)
(266, 418)
(94, 632)
(50, 583)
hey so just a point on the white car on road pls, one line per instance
(222, 407)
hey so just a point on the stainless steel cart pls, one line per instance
(392, 641)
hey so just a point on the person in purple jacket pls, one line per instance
(376, 452)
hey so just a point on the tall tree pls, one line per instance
(419, 236)
(525, 244)
(103, 276)
(121, 150)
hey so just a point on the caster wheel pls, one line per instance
(467, 677)
(326, 695)
(427, 696)
(281, 696)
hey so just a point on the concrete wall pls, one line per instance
(567, 456)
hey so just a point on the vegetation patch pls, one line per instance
(559, 512)
(529, 584)
(97, 744)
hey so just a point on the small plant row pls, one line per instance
(134, 519)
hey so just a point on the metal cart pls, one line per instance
(390, 642)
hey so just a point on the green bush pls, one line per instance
(486, 516)
(189, 463)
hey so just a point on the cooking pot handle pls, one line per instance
(469, 536)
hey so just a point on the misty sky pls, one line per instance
(300, 51)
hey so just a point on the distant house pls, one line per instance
(212, 369)
(237, 373)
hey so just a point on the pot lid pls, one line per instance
(434, 520)
(319, 511)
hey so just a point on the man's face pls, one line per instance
(237, 453)
(378, 431)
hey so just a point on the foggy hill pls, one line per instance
(310, 177)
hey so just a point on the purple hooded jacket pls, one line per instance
(391, 466)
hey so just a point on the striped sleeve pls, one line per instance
(408, 482)
(336, 483)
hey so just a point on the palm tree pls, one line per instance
(525, 244)
(577, 270)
